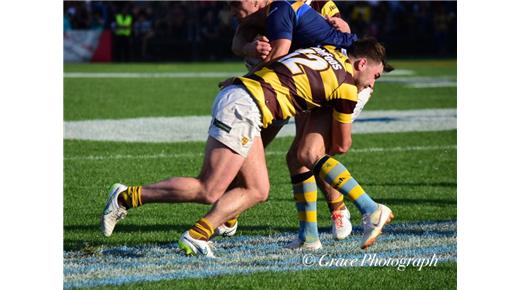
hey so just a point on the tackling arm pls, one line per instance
(341, 137)
(279, 48)
(244, 42)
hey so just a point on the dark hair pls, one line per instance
(370, 48)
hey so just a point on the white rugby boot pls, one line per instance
(373, 224)
(113, 213)
(341, 225)
(299, 244)
(226, 231)
(192, 247)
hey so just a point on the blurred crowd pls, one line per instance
(202, 30)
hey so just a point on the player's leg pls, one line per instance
(304, 187)
(340, 215)
(304, 192)
(220, 166)
(211, 183)
(236, 121)
(336, 174)
(268, 134)
(254, 188)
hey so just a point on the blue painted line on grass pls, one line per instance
(371, 120)
(250, 254)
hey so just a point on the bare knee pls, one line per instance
(210, 194)
(261, 193)
(307, 156)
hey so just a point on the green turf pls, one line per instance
(417, 185)
(115, 98)
(441, 277)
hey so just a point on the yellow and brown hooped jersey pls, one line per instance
(302, 80)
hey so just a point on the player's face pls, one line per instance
(243, 8)
(367, 72)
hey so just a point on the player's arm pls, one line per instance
(245, 43)
(339, 24)
(343, 104)
(331, 12)
(279, 29)
(341, 137)
(279, 48)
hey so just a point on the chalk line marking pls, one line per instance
(250, 254)
(206, 74)
(195, 128)
(268, 153)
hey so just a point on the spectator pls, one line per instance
(143, 32)
(210, 35)
(163, 31)
(122, 28)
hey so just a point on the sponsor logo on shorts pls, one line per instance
(221, 125)
(245, 140)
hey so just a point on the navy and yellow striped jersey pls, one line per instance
(302, 80)
(304, 26)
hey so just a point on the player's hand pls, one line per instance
(226, 82)
(259, 47)
(338, 23)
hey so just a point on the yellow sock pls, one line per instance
(232, 222)
(132, 197)
(336, 204)
(202, 230)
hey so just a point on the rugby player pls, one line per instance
(234, 146)
(290, 25)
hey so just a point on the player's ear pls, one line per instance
(360, 64)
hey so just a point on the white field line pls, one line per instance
(439, 84)
(244, 254)
(143, 75)
(268, 153)
(195, 128)
(398, 76)
(207, 74)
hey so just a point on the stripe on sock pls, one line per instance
(231, 223)
(305, 192)
(336, 204)
(306, 197)
(202, 230)
(337, 175)
(308, 216)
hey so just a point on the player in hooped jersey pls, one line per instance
(289, 24)
(234, 145)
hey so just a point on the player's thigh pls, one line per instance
(253, 174)
(315, 137)
(234, 128)
(300, 122)
(220, 166)
(268, 134)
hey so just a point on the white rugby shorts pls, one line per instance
(236, 119)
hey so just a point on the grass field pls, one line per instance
(412, 172)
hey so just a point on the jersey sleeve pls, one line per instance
(344, 102)
(330, 9)
(280, 21)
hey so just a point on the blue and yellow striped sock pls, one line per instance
(337, 175)
(305, 192)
